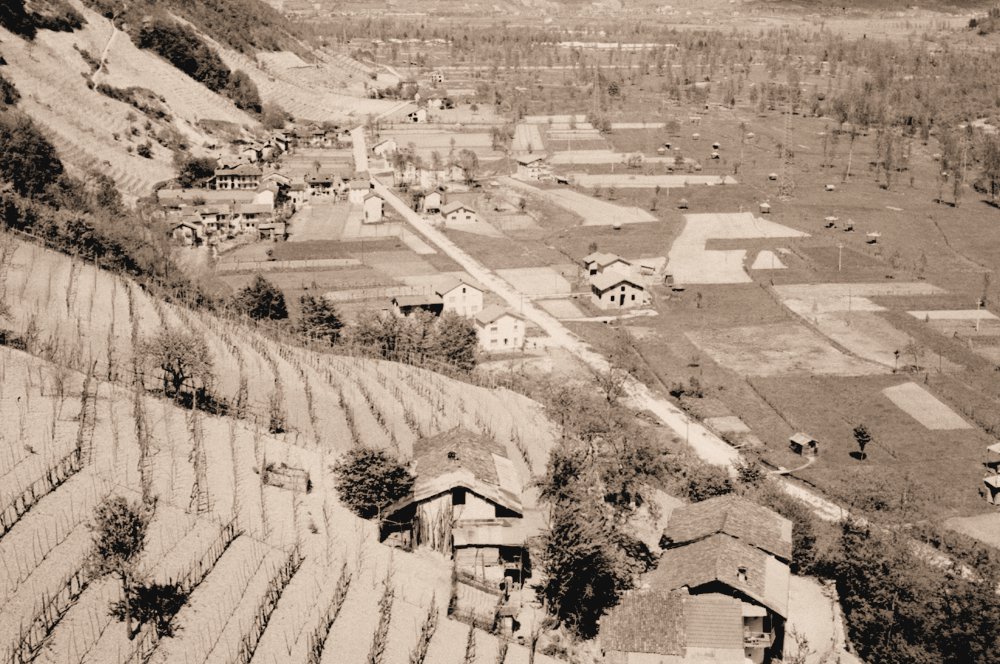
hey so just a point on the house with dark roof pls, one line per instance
(457, 211)
(613, 290)
(730, 515)
(407, 305)
(720, 589)
(466, 502)
(240, 176)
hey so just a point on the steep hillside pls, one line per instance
(70, 441)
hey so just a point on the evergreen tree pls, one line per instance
(262, 300)
(319, 319)
(370, 480)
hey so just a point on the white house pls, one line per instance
(500, 330)
(385, 148)
(462, 297)
(599, 262)
(372, 204)
(432, 202)
(613, 290)
(417, 116)
(437, 77)
(241, 176)
(357, 190)
(458, 212)
(533, 167)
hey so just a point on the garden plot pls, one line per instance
(561, 309)
(845, 314)
(425, 142)
(924, 407)
(539, 282)
(626, 181)
(527, 138)
(594, 211)
(961, 322)
(767, 260)
(691, 263)
(780, 349)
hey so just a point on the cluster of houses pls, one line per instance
(615, 283)
(720, 592)
(500, 330)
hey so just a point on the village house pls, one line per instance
(598, 262)
(417, 116)
(407, 305)
(357, 190)
(804, 444)
(241, 176)
(461, 297)
(500, 330)
(437, 77)
(385, 147)
(533, 167)
(720, 591)
(277, 178)
(611, 289)
(274, 231)
(466, 503)
(458, 212)
(432, 202)
(298, 193)
(373, 208)
(188, 233)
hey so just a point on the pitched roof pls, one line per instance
(449, 284)
(645, 622)
(494, 312)
(608, 280)
(460, 458)
(239, 169)
(713, 621)
(603, 259)
(253, 208)
(454, 206)
(717, 559)
(416, 300)
(371, 194)
(530, 159)
(735, 516)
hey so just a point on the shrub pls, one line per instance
(194, 171)
(8, 93)
(184, 49)
(705, 481)
(155, 603)
(243, 91)
(145, 150)
(27, 160)
(274, 117)
(119, 537)
(370, 480)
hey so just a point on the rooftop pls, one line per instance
(735, 516)
(719, 559)
(608, 280)
(492, 313)
(645, 622)
(451, 283)
(454, 206)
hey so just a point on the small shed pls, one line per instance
(287, 477)
(831, 222)
(715, 146)
(765, 208)
(715, 155)
(872, 238)
(695, 137)
(804, 444)
(682, 204)
(991, 489)
(772, 176)
(751, 135)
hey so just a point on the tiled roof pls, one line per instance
(713, 621)
(607, 280)
(240, 169)
(745, 520)
(718, 559)
(492, 313)
(416, 300)
(603, 259)
(454, 206)
(645, 622)
(449, 284)
(460, 458)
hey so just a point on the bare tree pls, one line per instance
(182, 357)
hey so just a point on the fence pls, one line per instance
(52, 609)
(297, 264)
(148, 638)
(65, 468)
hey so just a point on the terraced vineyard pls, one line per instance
(273, 575)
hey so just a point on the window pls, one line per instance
(463, 290)
(458, 497)
(633, 297)
(741, 574)
(506, 341)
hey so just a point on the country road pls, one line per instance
(706, 444)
